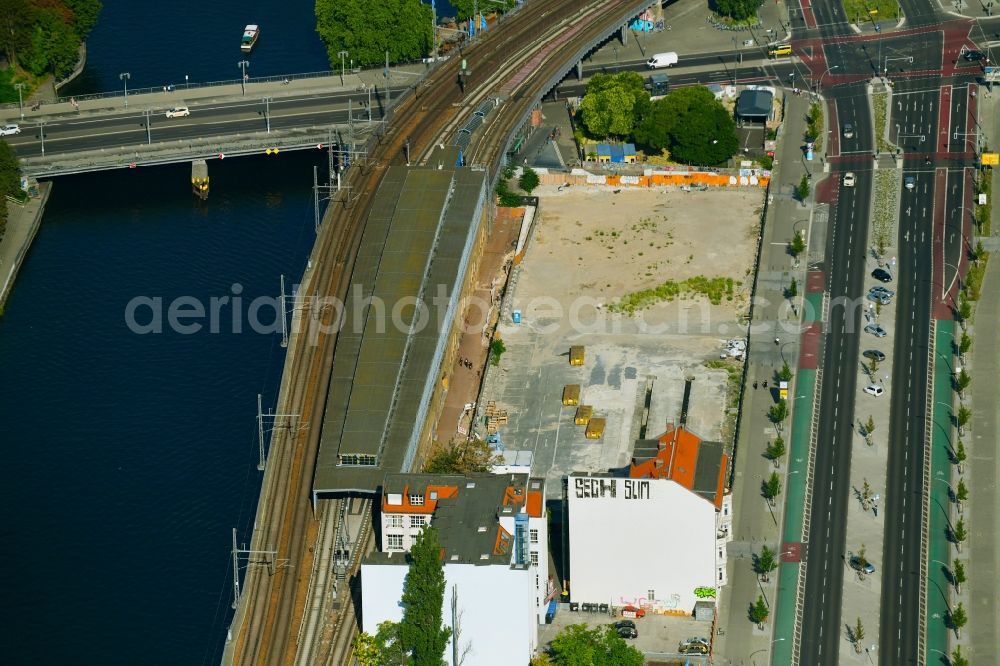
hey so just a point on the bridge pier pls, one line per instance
(579, 70)
(624, 35)
(199, 179)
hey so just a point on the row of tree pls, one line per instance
(689, 123)
(44, 36)
(10, 179)
(367, 31)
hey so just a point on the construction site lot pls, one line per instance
(589, 249)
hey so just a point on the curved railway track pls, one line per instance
(272, 603)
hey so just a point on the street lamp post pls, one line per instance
(20, 101)
(267, 113)
(342, 54)
(125, 76)
(819, 84)
(243, 64)
(149, 137)
(736, 62)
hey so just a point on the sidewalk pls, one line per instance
(22, 225)
(982, 468)
(755, 523)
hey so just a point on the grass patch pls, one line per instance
(880, 103)
(9, 77)
(884, 209)
(984, 185)
(858, 11)
(814, 126)
(715, 289)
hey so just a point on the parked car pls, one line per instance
(9, 129)
(848, 130)
(178, 112)
(974, 56)
(868, 567)
(876, 330)
(662, 60)
(874, 354)
(882, 275)
(620, 624)
(627, 632)
(849, 179)
(692, 648)
(879, 289)
(910, 182)
(879, 298)
(874, 389)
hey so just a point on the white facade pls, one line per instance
(643, 542)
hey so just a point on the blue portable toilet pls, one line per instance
(515, 316)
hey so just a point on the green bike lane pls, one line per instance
(798, 469)
(939, 548)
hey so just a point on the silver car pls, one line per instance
(876, 330)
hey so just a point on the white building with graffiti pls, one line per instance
(655, 536)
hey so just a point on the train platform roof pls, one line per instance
(415, 248)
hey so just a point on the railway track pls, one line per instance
(270, 616)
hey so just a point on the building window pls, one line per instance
(534, 558)
(720, 575)
(394, 521)
(418, 521)
(651, 596)
(416, 500)
(537, 581)
(534, 536)
(394, 542)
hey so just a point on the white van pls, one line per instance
(662, 60)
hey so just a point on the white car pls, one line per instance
(874, 389)
(9, 129)
(178, 112)
(849, 179)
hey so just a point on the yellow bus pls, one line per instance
(780, 50)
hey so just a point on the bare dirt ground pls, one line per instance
(590, 243)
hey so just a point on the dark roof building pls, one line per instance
(415, 249)
(754, 106)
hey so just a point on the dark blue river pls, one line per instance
(130, 457)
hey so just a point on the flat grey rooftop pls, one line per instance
(414, 248)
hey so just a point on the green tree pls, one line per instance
(869, 429)
(614, 103)
(10, 172)
(862, 556)
(866, 495)
(765, 563)
(52, 46)
(792, 290)
(771, 488)
(739, 10)
(964, 310)
(963, 380)
(16, 18)
(461, 456)
(85, 13)
(423, 635)
(759, 612)
(579, 645)
(464, 8)
(692, 125)
(959, 534)
(958, 575)
(963, 417)
(964, 344)
(857, 635)
(529, 180)
(961, 493)
(785, 374)
(958, 619)
(382, 649)
(497, 349)
(366, 31)
(797, 245)
(775, 450)
(778, 412)
(960, 456)
(802, 191)
(957, 659)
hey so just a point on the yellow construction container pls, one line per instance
(595, 428)
(583, 414)
(571, 395)
(576, 354)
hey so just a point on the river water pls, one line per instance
(131, 456)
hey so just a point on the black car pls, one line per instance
(626, 632)
(874, 354)
(882, 275)
(974, 56)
